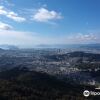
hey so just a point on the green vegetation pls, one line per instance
(21, 84)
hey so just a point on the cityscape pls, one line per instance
(49, 50)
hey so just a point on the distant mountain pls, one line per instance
(87, 46)
(58, 46)
(1, 49)
(91, 46)
(8, 47)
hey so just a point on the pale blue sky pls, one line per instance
(31, 22)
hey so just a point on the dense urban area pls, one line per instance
(48, 73)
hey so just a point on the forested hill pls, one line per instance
(21, 84)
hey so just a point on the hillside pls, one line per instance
(21, 84)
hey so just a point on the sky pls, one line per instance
(26, 23)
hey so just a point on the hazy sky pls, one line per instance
(32, 22)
